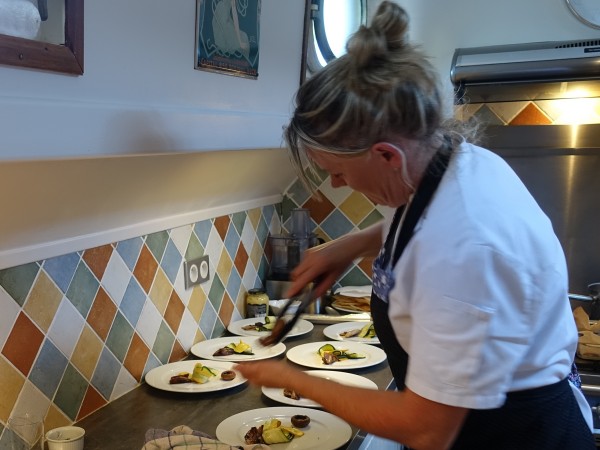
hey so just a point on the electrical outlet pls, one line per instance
(196, 271)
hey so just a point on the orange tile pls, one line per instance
(145, 269)
(102, 314)
(43, 301)
(226, 310)
(10, 387)
(222, 224)
(366, 264)
(531, 115)
(23, 344)
(136, 358)
(319, 210)
(178, 353)
(174, 311)
(241, 258)
(97, 259)
(92, 401)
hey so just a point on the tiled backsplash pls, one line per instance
(79, 330)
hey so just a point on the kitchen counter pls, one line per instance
(121, 424)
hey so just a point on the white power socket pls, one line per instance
(196, 271)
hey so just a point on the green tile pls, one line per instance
(217, 290)
(355, 277)
(71, 392)
(163, 343)
(194, 248)
(83, 289)
(119, 336)
(157, 242)
(17, 281)
(219, 329)
(239, 219)
(373, 217)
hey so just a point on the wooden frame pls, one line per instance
(67, 58)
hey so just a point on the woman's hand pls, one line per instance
(269, 373)
(326, 262)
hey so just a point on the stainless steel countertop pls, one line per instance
(122, 424)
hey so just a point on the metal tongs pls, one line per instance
(285, 322)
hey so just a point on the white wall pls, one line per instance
(140, 92)
(121, 151)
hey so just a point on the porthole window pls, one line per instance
(331, 24)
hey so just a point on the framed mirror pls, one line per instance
(63, 58)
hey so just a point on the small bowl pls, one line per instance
(276, 305)
(65, 438)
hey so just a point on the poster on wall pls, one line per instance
(227, 36)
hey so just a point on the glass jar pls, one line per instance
(257, 303)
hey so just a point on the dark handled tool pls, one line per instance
(285, 323)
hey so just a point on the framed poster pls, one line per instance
(227, 36)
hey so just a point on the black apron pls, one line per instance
(544, 418)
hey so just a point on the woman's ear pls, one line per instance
(389, 153)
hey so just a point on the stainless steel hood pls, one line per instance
(534, 71)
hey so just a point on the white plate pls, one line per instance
(159, 377)
(301, 327)
(355, 291)
(333, 332)
(306, 355)
(325, 431)
(206, 349)
(349, 379)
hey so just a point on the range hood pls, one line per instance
(534, 71)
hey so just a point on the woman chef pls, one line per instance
(470, 283)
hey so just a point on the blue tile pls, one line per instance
(234, 283)
(61, 269)
(232, 241)
(202, 230)
(151, 363)
(17, 281)
(268, 212)
(171, 261)
(207, 320)
(163, 343)
(130, 251)
(83, 289)
(106, 373)
(133, 301)
(336, 225)
(119, 337)
(48, 369)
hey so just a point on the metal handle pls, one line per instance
(583, 298)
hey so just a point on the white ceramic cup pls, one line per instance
(65, 438)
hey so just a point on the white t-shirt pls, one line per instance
(480, 301)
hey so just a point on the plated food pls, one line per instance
(308, 355)
(324, 431)
(194, 376)
(260, 327)
(352, 331)
(249, 349)
(349, 379)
